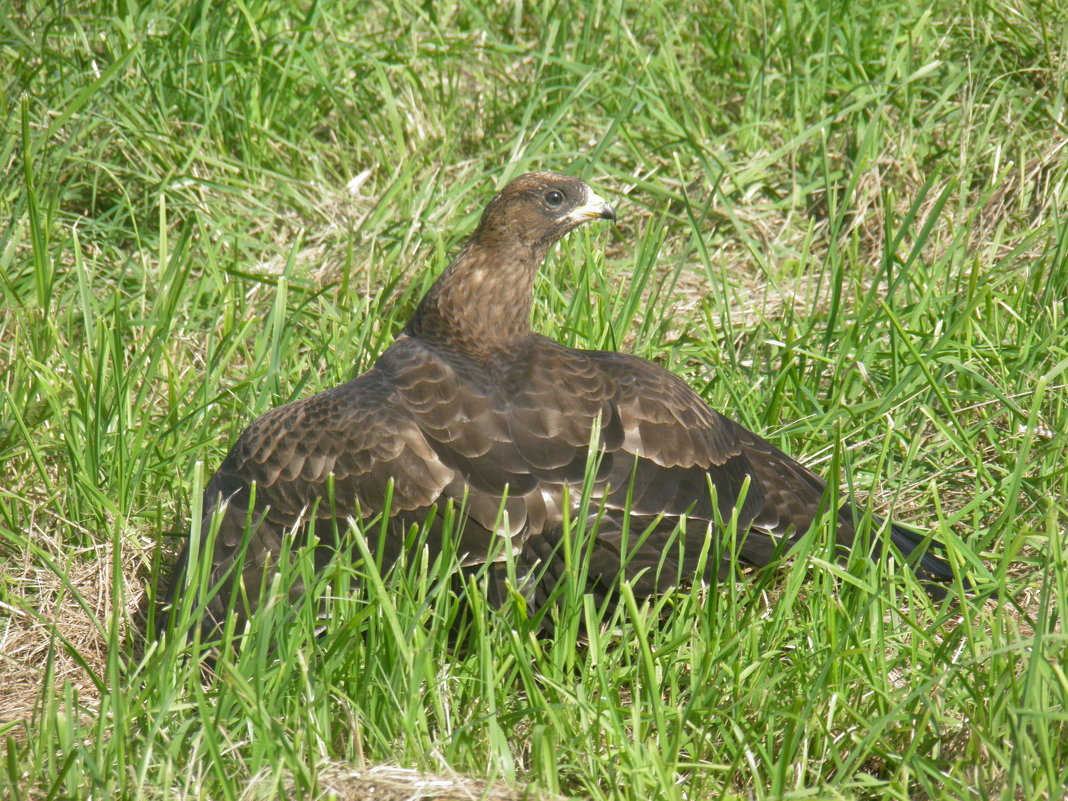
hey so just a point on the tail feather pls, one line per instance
(930, 568)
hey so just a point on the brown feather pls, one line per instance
(469, 405)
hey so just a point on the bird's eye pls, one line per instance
(554, 197)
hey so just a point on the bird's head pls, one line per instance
(538, 208)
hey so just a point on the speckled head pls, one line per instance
(538, 208)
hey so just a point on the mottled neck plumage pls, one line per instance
(483, 299)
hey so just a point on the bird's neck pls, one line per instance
(481, 302)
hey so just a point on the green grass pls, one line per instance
(843, 224)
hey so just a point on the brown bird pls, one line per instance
(469, 405)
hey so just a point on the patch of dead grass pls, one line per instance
(392, 783)
(57, 617)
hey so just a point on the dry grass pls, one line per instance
(60, 626)
(392, 783)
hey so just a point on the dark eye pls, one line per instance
(554, 197)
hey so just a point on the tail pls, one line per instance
(173, 582)
(934, 571)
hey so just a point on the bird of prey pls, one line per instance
(469, 405)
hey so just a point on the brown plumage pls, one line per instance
(469, 405)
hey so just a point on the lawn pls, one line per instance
(845, 225)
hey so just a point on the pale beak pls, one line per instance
(595, 208)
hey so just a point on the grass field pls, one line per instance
(844, 224)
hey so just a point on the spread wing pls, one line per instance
(679, 447)
(513, 435)
(335, 452)
(665, 455)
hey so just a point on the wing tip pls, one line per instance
(935, 572)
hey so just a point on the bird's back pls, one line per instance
(508, 438)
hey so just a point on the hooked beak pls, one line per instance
(595, 208)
